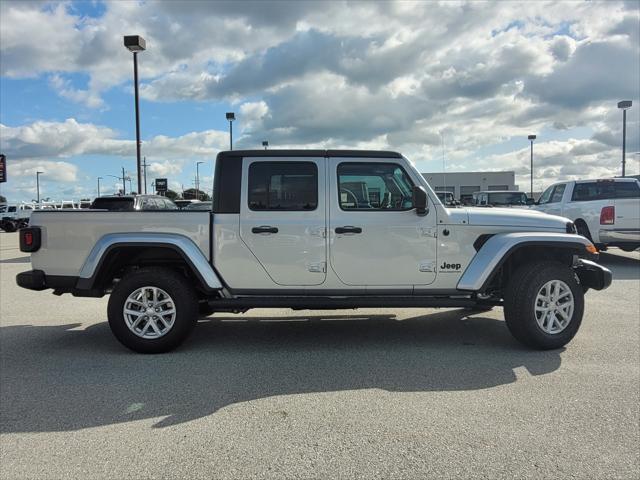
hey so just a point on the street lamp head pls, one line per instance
(624, 104)
(231, 116)
(135, 43)
(531, 137)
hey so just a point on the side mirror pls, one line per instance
(531, 201)
(420, 200)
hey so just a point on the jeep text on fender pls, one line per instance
(316, 229)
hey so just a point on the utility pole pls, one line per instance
(99, 178)
(124, 183)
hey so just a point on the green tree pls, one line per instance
(171, 195)
(192, 193)
(3, 199)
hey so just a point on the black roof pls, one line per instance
(310, 153)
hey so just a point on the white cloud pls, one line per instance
(71, 138)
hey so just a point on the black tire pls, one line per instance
(185, 303)
(9, 226)
(583, 230)
(520, 300)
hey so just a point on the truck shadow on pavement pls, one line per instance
(622, 267)
(63, 378)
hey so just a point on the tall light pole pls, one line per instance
(136, 44)
(265, 144)
(231, 117)
(99, 178)
(624, 105)
(531, 139)
(198, 181)
(144, 169)
(38, 186)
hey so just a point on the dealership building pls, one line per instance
(464, 184)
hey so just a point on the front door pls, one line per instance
(376, 237)
(282, 217)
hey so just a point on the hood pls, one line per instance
(511, 217)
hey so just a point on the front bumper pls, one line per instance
(593, 275)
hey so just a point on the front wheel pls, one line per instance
(543, 305)
(152, 310)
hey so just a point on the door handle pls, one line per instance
(348, 229)
(264, 229)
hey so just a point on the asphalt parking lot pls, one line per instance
(376, 393)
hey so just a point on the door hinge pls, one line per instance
(318, 267)
(429, 232)
(427, 266)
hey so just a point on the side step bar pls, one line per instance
(328, 303)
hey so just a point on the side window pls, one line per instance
(546, 195)
(627, 189)
(374, 186)
(284, 186)
(558, 192)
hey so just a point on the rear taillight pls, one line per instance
(608, 215)
(30, 239)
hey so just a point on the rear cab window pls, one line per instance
(113, 204)
(283, 186)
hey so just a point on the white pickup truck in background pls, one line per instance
(606, 211)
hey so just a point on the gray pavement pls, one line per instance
(375, 393)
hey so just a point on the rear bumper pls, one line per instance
(38, 280)
(592, 275)
(623, 235)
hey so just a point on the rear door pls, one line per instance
(376, 237)
(282, 217)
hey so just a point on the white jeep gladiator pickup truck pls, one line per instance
(315, 229)
(606, 211)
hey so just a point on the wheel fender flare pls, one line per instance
(180, 243)
(499, 247)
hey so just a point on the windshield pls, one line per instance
(507, 198)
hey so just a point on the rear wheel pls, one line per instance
(544, 304)
(152, 310)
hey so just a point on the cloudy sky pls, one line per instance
(474, 77)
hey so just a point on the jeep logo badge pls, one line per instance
(450, 267)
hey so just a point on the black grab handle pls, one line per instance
(264, 229)
(348, 229)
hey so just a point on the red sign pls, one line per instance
(3, 168)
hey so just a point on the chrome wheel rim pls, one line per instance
(554, 307)
(149, 312)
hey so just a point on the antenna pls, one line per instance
(444, 169)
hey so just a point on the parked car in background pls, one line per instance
(606, 210)
(182, 203)
(447, 199)
(15, 216)
(501, 198)
(129, 203)
(200, 206)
